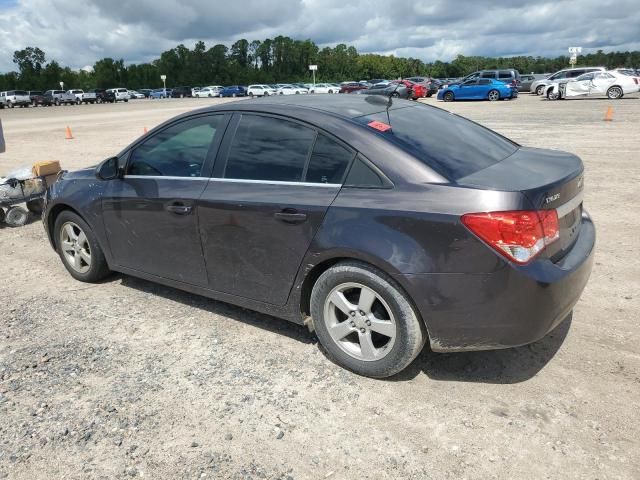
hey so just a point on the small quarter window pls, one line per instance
(329, 161)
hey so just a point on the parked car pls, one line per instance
(323, 88)
(424, 81)
(232, 91)
(612, 84)
(291, 90)
(209, 92)
(388, 90)
(260, 91)
(37, 98)
(351, 87)
(133, 94)
(95, 95)
(15, 98)
(89, 97)
(383, 238)
(160, 93)
(78, 94)
(509, 76)
(146, 92)
(477, 89)
(527, 79)
(538, 87)
(60, 97)
(181, 92)
(120, 94)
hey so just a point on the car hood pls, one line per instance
(89, 172)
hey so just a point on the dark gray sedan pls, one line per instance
(379, 225)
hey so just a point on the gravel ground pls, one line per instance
(128, 379)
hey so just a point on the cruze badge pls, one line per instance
(552, 198)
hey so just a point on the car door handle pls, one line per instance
(290, 215)
(179, 208)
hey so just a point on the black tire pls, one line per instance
(410, 333)
(35, 206)
(99, 268)
(448, 97)
(16, 217)
(552, 94)
(10, 104)
(540, 90)
(2, 215)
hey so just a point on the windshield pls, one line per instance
(453, 146)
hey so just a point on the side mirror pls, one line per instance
(108, 169)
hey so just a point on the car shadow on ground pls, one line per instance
(513, 365)
(249, 317)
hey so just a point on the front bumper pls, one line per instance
(513, 306)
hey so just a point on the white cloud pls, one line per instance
(77, 33)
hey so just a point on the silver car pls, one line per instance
(539, 86)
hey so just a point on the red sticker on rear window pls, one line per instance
(383, 127)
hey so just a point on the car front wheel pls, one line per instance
(79, 249)
(615, 92)
(365, 321)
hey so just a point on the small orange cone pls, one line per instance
(68, 136)
(145, 130)
(608, 117)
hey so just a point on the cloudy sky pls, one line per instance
(78, 32)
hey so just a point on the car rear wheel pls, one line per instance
(448, 97)
(365, 321)
(494, 95)
(79, 249)
(615, 92)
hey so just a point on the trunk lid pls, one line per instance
(549, 179)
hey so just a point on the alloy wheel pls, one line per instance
(614, 92)
(494, 95)
(360, 322)
(75, 247)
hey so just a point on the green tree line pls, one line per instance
(279, 59)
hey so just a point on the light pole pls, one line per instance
(164, 84)
(61, 85)
(313, 69)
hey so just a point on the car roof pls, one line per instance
(346, 106)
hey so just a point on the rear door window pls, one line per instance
(504, 74)
(488, 75)
(453, 146)
(269, 149)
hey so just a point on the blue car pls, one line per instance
(160, 93)
(477, 89)
(233, 91)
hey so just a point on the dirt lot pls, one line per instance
(129, 379)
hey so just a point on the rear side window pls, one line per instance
(488, 75)
(575, 73)
(329, 161)
(504, 74)
(267, 148)
(177, 151)
(451, 145)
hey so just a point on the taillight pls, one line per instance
(518, 235)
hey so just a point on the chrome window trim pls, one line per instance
(276, 182)
(237, 180)
(167, 177)
(571, 205)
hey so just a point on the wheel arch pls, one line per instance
(53, 214)
(311, 276)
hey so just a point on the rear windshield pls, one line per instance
(453, 146)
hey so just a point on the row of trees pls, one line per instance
(281, 59)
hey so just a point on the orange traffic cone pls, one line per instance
(145, 130)
(608, 117)
(68, 136)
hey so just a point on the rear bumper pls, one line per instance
(513, 306)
